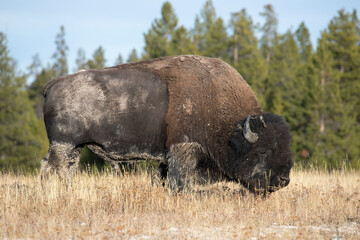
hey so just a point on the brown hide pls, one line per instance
(206, 98)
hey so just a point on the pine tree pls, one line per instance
(35, 90)
(338, 60)
(98, 60)
(245, 54)
(303, 41)
(198, 35)
(210, 33)
(60, 64)
(306, 129)
(22, 137)
(181, 43)
(158, 37)
(269, 29)
(275, 80)
(133, 56)
(356, 70)
(343, 42)
(208, 14)
(80, 61)
(46, 74)
(270, 46)
(216, 40)
(203, 24)
(324, 62)
(155, 45)
(35, 65)
(119, 60)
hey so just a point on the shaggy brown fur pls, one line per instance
(206, 98)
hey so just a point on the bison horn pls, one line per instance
(248, 134)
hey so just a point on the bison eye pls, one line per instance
(262, 151)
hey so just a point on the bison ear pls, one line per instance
(262, 121)
(239, 144)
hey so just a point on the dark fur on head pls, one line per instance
(262, 166)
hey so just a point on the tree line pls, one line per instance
(317, 90)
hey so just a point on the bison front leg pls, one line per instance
(186, 166)
(62, 159)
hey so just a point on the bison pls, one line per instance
(196, 115)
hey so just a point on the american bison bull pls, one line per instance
(196, 115)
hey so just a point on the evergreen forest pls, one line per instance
(316, 89)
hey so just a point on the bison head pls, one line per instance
(260, 155)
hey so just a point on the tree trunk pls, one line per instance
(236, 50)
(322, 118)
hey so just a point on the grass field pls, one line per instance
(315, 205)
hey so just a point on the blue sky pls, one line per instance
(118, 26)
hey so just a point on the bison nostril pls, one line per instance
(285, 180)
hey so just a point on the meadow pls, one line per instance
(315, 205)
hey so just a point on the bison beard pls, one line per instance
(195, 115)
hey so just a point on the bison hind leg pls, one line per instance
(187, 165)
(62, 159)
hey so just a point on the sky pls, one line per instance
(118, 26)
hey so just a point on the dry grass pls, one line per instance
(316, 205)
